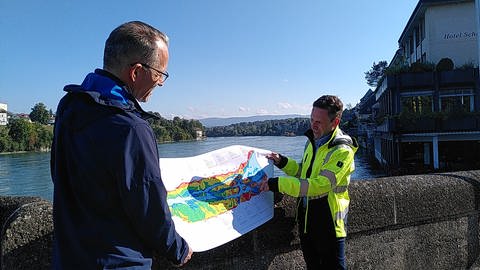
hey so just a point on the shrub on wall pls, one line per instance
(445, 64)
(466, 66)
(421, 67)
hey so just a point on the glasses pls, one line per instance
(163, 75)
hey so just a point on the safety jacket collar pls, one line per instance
(337, 137)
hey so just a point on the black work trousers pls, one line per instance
(320, 246)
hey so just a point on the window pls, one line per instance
(418, 103)
(422, 29)
(410, 45)
(416, 32)
(459, 100)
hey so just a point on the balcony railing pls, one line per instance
(439, 122)
(459, 76)
(413, 80)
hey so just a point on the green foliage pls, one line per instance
(285, 127)
(466, 66)
(177, 129)
(5, 141)
(421, 67)
(20, 131)
(396, 69)
(374, 75)
(405, 68)
(21, 135)
(40, 114)
(445, 64)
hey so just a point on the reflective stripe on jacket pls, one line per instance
(325, 172)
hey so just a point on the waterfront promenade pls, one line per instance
(404, 222)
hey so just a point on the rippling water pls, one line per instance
(28, 174)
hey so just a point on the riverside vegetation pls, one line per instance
(35, 133)
(283, 127)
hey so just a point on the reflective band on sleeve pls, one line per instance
(303, 188)
(340, 189)
(341, 214)
(331, 177)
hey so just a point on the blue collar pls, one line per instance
(322, 140)
(110, 89)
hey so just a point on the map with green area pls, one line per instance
(206, 197)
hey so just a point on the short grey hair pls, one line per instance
(132, 42)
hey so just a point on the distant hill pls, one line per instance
(217, 121)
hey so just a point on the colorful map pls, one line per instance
(215, 197)
(203, 198)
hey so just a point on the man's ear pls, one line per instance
(336, 121)
(133, 72)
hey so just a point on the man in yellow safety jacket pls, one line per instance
(320, 181)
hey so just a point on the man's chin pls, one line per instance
(144, 99)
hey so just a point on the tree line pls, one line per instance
(22, 135)
(283, 127)
(36, 133)
(178, 129)
(33, 134)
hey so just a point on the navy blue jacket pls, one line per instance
(109, 204)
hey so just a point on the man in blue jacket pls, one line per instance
(109, 205)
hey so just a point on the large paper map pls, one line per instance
(215, 197)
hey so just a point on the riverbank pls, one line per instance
(23, 152)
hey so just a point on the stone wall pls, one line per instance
(406, 222)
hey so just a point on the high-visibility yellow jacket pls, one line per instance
(325, 172)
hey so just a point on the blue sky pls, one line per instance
(227, 58)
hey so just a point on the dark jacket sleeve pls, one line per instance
(144, 196)
(283, 162)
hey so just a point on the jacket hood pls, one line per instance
(105, 89)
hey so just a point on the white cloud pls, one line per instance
(284, 105)
(243, 109)
(262, 111)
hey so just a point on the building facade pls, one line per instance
(441, 28)
(428, 112)
(3, 114)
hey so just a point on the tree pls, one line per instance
(40, 114)
(20, 131)
(377, 71)
(5, 141)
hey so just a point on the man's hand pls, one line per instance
(264, 184)
(271, 184)
(189, 256)
(275, 157)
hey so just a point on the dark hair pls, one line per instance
(132, 42)
(332, 104)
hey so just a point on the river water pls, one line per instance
(28, 174)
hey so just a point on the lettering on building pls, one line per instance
(459, 35)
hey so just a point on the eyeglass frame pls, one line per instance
(165, 74)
